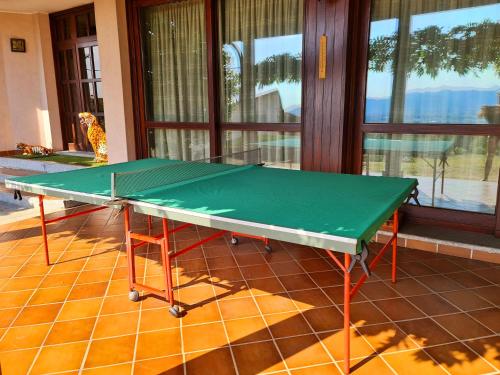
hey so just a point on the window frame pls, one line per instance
(473, 221)
(215, 125)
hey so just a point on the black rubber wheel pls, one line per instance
(268, 249)
(175, 311)
(133, 295)
(234, 240)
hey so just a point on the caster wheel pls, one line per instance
(175, 311)
(133, 295)
(268, 249)
(234, 241)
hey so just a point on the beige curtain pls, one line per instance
(179, 144)
(174, 53)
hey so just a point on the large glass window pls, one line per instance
(174, 61)
(277, 149)
(261, 60)
(453, 171)
(433, 61)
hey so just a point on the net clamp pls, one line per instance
(361, 259)
(414, 196)
(17, 195)
(119, 205)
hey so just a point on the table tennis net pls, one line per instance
(127, 184)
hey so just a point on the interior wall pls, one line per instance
(28, 98)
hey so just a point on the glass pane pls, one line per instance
(97, 62)
(178, 144)
(453, 171)
(174, 60)
(82, 25)
(75, 107)
(85, 63)
(92, 27)
(261, 59)
(88, 97)
(100, 100)
(70, 64)
(62, 66)
(432, 61)
(66, 98)
(278, 149)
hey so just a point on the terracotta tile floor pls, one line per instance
(248, 312)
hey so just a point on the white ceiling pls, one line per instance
(42, 6)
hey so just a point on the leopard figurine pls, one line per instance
(96, 136)
(34, 150)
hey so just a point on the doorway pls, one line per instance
(78, 72)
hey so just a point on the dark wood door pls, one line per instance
(78, 72)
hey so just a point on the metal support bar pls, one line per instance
(75, 215)
(43, 223)
(191, 247)
(146, 238)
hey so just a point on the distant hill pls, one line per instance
(436, 106)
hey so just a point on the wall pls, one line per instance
(28, 100)
(111, 25)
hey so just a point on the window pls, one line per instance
(277, 149)
(432, 62)
(261, 59)
(179, 144)
(456, 172)
(247, 94)
(434, 65)
(174, 62)
(261, 78)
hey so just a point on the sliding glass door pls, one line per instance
(219, 77)
(432, 100)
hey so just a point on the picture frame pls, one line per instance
(17, 45)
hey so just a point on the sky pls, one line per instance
(379, 83)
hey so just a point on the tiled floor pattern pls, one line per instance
(248, 312)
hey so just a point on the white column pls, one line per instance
(48, 113)
(111, 25)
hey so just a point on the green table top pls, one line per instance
(318, 209)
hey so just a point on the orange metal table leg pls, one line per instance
(44, 229)
(130, 250)
(395, 228)
(169, 293)
(347, 313)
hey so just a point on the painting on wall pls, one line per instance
(17, 45)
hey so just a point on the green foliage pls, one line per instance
(463, 49)
(279, 68)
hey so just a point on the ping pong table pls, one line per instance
(337, 212)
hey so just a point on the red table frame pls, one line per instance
(167, 256)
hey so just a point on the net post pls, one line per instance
(113, 185)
